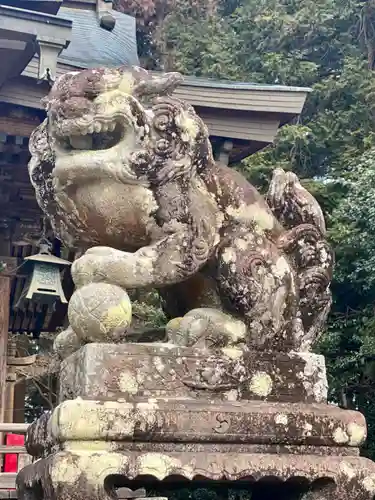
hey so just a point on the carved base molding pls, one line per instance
(122, 424)
(88, 474)
(141, 413)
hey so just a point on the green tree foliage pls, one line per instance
(328, 45)
(349, 344)
(153, 17)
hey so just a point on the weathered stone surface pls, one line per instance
(184, 421)
(139, 180)
(82, 474)
(121, 166)
(100, 312)
(66, 343)
(184, 425)
(152, 370)
(39, 441)
(206, 328)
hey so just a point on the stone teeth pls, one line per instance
(90, 129)
(97, 127)
(104, 127)
(111, 127)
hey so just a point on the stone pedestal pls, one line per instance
(136, 414)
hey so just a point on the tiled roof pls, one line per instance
(92, 46)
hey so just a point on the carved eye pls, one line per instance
(163, 116)
(163, 147)
(161, 122)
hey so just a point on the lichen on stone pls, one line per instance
(261, 384)
(369, 484)
(340, 436)
(128, 382)
(357, 434)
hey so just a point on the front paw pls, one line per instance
(104, 252)
(100, 264)
(107, 265)
(87, 269)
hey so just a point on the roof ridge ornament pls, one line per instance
(106, 19)
(49, 50)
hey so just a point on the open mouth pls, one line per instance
(94, 137)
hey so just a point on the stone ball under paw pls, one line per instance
(100, 312)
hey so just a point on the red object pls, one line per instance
(11, 460)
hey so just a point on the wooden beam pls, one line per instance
(240, 152)
(7, 480)
(11, 379)
(24, 361)
(8, 494)
(15, 428)
(19, 401)
(8, 450)
(5, 279)
(41, 367)
(14, 126)
(4, 323)
(11, 264)
(9, 399)
(225, 150)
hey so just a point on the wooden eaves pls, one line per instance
(247, 114)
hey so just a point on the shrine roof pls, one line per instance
(197, 81)
(91, 45)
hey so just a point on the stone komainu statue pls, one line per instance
(125, 172)
(126, 175)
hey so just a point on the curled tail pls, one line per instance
(305, 244)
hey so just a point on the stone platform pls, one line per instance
(130, 371)
(187, 421)
(157, 412)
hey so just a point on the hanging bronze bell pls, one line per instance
(43, 284)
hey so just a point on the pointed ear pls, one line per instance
(156, 85)
(172, 81)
